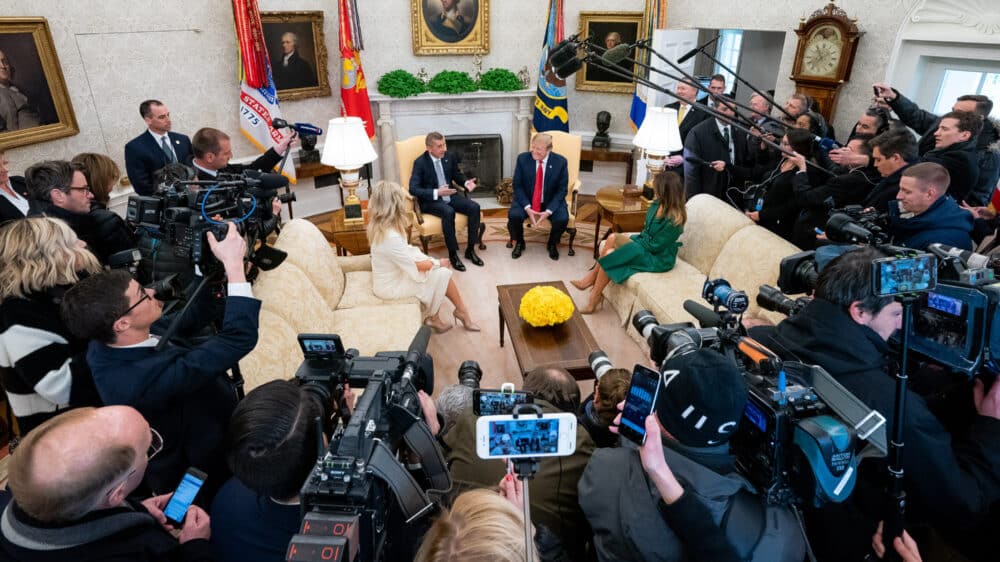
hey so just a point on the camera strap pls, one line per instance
(411, 499)
(418, 439)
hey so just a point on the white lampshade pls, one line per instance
(347, 146)
(659, 134)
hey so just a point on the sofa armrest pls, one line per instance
(355, 263)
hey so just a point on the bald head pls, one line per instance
(79, 461)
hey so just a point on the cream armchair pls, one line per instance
(567, 146)
(407, 150)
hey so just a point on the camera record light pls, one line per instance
(348, 148)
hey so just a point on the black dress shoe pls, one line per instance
(518, 250)
(553, 252)
(456, 263)
(470, 254)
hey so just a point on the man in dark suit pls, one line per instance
(155, 148)
(434, 173)
(15, 201)
(541, 179)
(689, 114)
(212, 150)
(291, 70)
(723, 149)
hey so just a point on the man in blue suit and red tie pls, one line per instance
(155, 148)
(541, 179)
(434, 173)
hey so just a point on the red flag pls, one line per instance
(353, 89)
(250, 35)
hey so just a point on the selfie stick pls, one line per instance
(526, 469)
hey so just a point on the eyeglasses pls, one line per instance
(84, 188)
(145, 296)
(155, 444)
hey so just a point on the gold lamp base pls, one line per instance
(352, 204)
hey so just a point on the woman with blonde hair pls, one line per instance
(44, 368)
(480, 526)
(400, 270)
(654, 249)
(102, 174)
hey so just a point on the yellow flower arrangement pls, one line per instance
(545, 306)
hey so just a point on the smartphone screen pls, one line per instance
(183, 496)
(639, 403)
(527, 436)
(893, 276)
(496, 402)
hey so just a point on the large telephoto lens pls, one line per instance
(599, 363)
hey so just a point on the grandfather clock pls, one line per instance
(828, 41)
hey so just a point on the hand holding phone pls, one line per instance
(639, 403)
(177, 507)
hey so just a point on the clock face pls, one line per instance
(821, 56)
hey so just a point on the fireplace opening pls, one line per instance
(481, 157)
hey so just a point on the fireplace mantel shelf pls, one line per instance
(433, 96)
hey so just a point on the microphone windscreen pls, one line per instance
(616, 54)
(687, 56)
(420, 340)
(279, 123)
(570, 68)
(705, 316)
(268, 181)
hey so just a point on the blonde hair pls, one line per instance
(38, 253)
(480, 525)
(387, 211)
(101, 173)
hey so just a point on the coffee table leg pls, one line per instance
(597, 233)
(500, 311)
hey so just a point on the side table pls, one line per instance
(348, 238)
(607, 155)
(626, 214)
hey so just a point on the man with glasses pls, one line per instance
(183, 391)
(70, 481)
(61, 191)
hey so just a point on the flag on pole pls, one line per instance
(258, 98)
(353, 89)
(550, 97)
(655, 18)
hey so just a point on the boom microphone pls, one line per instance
(971, 260)
(265, 180)
(616, 54)
(687, 56)
(300, 128)
(705, 316)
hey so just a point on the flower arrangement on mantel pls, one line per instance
(401, 84)
(545, 306)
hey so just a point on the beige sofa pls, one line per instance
(314, 291)
(719, 241)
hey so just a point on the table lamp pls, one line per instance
(348, 148)
(658, 136)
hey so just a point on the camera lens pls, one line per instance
(469, 374)
(644, 322)
(599, 363)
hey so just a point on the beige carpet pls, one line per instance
(478, 288)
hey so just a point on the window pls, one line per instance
(727, 52)
(956, 83)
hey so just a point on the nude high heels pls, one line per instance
(437, 325)
(467, 322)
(591, 308)
(581, 285)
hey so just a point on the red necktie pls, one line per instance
(536, 198)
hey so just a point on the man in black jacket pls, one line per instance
(955, 149)
(722, 150)
(689, 114)
(60, 190)
(213, 149)
(891, 154)
(70, 481)
(951, 480)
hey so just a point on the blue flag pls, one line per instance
(550, 98)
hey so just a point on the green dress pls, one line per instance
(654, 249)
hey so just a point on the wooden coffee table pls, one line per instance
(626, 214)
(567, 345)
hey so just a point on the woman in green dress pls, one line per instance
(654, 249)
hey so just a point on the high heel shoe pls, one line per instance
(439, 326)
(466, 322)
(591, 309)
(581, 286)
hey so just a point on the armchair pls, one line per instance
(567, 146)
(407, 150)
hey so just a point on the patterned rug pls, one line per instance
(496, 232)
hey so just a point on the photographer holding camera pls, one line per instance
(701, 400)
(950, 480)
(184, 392)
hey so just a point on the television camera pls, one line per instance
(802, 434)
(360, 494)
(183, 212)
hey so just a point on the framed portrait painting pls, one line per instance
(297, 50)
(34, 103)
(609, 29)
(450, 27)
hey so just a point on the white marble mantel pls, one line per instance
(476, 113)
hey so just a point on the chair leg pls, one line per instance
(423, 242)
(572, 237)
(482, 231)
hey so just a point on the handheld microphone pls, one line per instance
(698, 161)
(300, 128)
(616, 54)
(826, 143)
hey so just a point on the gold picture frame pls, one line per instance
(465, 32)
(304, 74)
(34, 103)
(602, 25)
